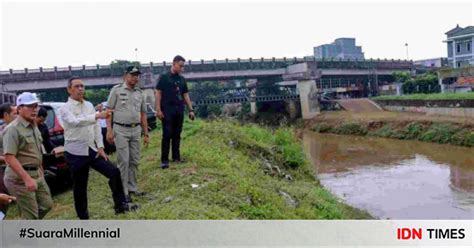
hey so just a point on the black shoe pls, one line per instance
(126, 207)
(128, 199)
(179, 161)
(165, 165)
(137, 193)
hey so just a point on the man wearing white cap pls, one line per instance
(23, 150)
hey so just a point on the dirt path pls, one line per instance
(359, 105)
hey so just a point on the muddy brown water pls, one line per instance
(395, 179)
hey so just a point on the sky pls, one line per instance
(47, 34)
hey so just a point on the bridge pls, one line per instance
(244, 94)
(275, 79)
(103, 75)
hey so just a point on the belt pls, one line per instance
(30, 168)
(127, 125)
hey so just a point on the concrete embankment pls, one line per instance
(455, 108)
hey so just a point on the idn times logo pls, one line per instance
(430, 233)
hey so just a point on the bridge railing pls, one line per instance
(333, 84)
(243, 94)
(199, 66)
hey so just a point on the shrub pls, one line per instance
(351, 129)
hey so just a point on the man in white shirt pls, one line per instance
(84, 148)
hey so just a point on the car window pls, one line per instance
(50, 118)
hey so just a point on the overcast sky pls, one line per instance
(62, 34)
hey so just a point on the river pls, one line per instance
(395, 179)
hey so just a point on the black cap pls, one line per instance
(133, 70)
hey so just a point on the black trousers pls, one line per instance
(108, 148)
(79, 166)
(172, 126)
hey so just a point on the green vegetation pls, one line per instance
(350, 128)
(423, 83)
(438, 96)
(442, 133)
(242, 172)
(96, 96)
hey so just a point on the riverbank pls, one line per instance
(445, 104)
(409, 126)
(233, 172)
(432, 96)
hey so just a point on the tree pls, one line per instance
(423, 83)
(96, 96)
(401, 76)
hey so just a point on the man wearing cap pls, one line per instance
(125, 127)
(84, 149)
(23, 150)
(171, 94)
(8, 114)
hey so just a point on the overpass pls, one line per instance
(213, 70)
(297, 79)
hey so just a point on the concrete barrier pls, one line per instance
(455, 112)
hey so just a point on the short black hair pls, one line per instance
(178, 58)
(5, 108)
(69, 81)
(42, 112)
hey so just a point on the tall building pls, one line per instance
(342, 48)
(432, 63)
(459, 42)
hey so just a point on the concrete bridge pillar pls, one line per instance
(253, 101)
(253, 107)
(308, 98)
(291, 108)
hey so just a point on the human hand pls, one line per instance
(146, 140)
(103, 114)
(160, 115)
(110, 137)
(6, 199)
(101, 153)
(31, 184)
(191, 115)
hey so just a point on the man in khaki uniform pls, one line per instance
(125, 127)
(23, 150)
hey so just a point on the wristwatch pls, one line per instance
(192, 110)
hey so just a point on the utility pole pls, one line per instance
(406, 45)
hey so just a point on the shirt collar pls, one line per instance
(74, 102)
(23, 122)
(124, 86)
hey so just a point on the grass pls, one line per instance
(437, 96)
(443, 133)
(242, 172)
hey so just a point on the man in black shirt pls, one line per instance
(171, 95)
(41, 122)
